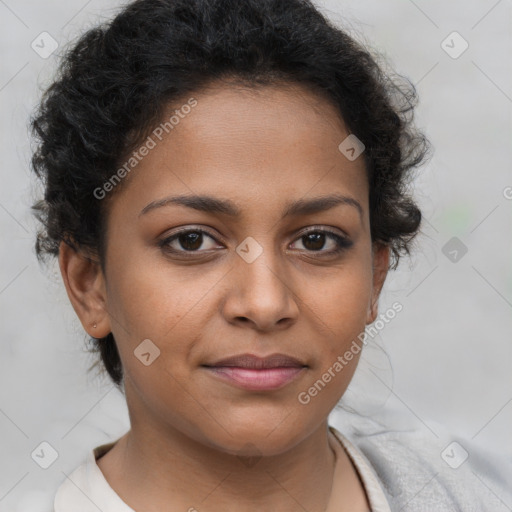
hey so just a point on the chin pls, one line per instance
(258, 435)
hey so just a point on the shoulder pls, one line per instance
(420, 472)
(75, 490)
(85, 489)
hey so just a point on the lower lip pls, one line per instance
(257, 380)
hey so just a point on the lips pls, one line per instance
(256, 373)
(259, 363)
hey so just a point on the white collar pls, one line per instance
(87, 490)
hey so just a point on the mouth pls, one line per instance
(255, 373)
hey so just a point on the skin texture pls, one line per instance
(189, 430)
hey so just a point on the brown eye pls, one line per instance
(189, 240)
(316, 240)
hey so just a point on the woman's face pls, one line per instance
(256, 270)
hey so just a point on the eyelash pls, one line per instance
(342, 243)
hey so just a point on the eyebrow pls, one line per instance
(210, 204)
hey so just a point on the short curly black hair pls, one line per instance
(114, 83)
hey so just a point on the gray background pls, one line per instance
(450, 349)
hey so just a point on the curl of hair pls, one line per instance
(114, 83)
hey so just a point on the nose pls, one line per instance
(260, 294)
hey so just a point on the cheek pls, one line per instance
(170, 306)
(153, 297)
(340, 305)
(344, 302)
(341, 301)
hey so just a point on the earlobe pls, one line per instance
(381, 255)
(85, 286)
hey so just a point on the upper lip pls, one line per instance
(256, 362)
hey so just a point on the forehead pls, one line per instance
(270, 116)
(271, 143)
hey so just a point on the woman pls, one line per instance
(225, 192)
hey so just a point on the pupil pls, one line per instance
(316, 238)
(194, 237)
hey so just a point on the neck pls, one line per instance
(153, 468)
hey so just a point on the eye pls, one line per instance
(315, 240)
(188, 240)
(196, 240)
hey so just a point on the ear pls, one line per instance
(380, 258)
(85, 286)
